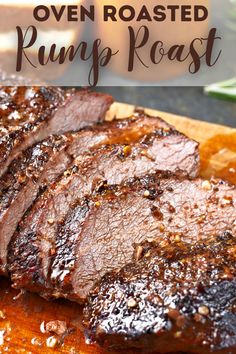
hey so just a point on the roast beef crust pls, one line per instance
(29, 115)
(177, 297)
(27, 166)
(22, 110)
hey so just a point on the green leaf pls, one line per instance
(224, 90)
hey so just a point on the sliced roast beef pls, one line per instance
(177, 297)
(40, 165)
(31, 114)
(20, 185)
(34, 244)
(100, 234)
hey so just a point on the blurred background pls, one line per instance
(187, 101)
(222, 16)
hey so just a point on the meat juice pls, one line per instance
(218, 157)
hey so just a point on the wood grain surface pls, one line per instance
(23, 317)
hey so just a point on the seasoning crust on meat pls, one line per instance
(177, 297)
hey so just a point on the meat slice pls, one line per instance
(177, 297)
(40, 165)
(34, 245)
(101, 234)
(20, 185)
(30, 114)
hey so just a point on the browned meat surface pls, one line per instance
(40, 165)
(34, 244)
(32, 171)
(30, 114)
(177, 297)
(99, 233)
(124, 131)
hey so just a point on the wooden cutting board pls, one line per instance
(23, 316)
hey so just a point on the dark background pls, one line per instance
(187, 101)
